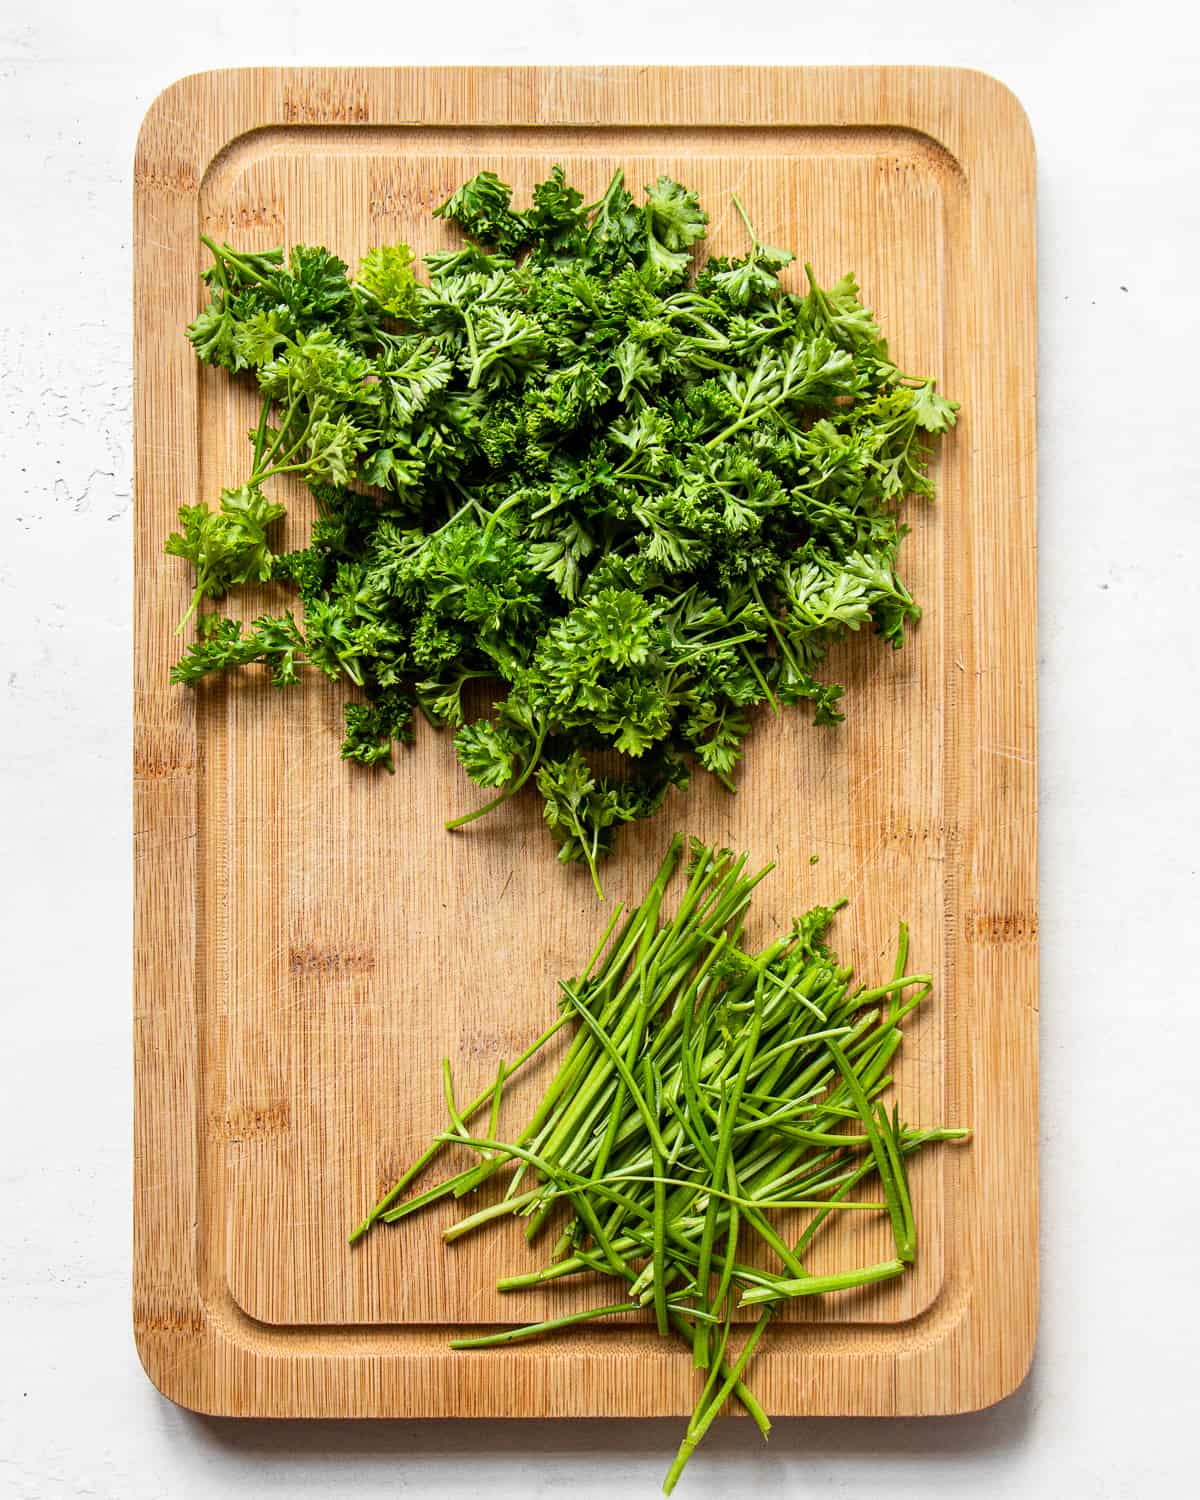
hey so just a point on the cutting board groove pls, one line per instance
(309, 942)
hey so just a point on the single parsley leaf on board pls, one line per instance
(227, 546)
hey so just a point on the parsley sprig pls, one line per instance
(641, 500)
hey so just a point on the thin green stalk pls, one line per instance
(901, 958)
(533, 1330)
(660, 1236)
(739, 1389)
(703, 1420)
(505, 1208)
(744, 1204)
(509, 791)
(260, 432)
(729, 1248)
(435, 1147)
(430, 1195)
(762, 681)
(456, 1120)
(817, 1286)
(889, 1133)
(901, 1230)
(724, 1149)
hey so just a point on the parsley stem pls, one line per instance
(262, 469)
(494, 516)
(533, 1330)
(218, 256)
(456, 1120)
(773, 626)
(702, 1421)
(504, 1208)
(745, 218)
(724, 1150)
(819, 1286)
(472, 348)
(435, 1148)
(299, 468)
(740, 1390)
(260, 433)
(223, 253)
(901, 1229)
(762, 682)
(191, 609)
(708, 1086)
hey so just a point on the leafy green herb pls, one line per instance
(707, 1090)
(640, 504)
(228, 546)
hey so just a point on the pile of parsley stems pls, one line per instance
(705, 1087)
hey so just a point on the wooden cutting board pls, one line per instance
(309, 942)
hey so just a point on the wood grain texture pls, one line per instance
(309, 943)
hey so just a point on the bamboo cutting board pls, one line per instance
(309, 942)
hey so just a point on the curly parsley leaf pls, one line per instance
(643, 495)
(227, 546)
(386, 273)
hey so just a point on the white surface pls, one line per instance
(1113, 92)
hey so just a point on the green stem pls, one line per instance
(218, 256)
(817, 1286)
(745, 218)
(191, 609)
(260, 432)
(495, 515)
(436, 1146)
(900, 1230)
(743, 1393)
(762, 682)
(280, 433)
(703, 1420)
(498, 1210)
(724, 1150)
(532, 1330)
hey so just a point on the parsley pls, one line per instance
(708, 1089)
(643, 498)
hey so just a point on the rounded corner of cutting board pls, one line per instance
(173, 1353)
(179, 100)
(1004, 1384)
(1009, 125)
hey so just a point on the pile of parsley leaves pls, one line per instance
(644, 501)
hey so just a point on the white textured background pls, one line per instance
(1113, 92)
